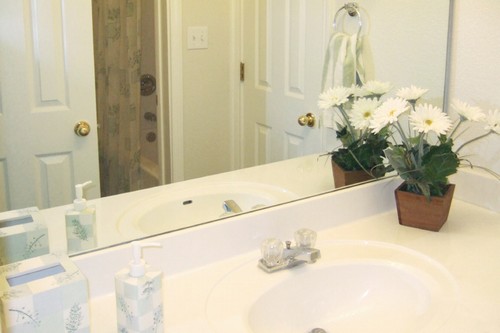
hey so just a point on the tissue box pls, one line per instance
(23, 235)
(44, 294)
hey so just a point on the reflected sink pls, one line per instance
(355, 287)
(179, 209)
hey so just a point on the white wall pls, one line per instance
(475, 68)
(207, 89)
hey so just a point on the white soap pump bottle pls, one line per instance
(81, 223)
(139, 297)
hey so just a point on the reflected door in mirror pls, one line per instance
(282, 78)
(47, 77)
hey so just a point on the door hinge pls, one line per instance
(242, 71)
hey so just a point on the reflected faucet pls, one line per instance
(276, 257)
(230, 206)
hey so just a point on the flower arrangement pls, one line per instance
(416, 138)
(423, 137)
(362, 148)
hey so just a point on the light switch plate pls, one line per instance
(197, 38)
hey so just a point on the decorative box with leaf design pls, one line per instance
(44, 294)
(23, 235)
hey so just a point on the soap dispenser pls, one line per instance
(138, 287)
(81, 223)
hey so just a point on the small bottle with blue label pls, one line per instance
(81, 223)
(139, 298)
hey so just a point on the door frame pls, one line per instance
(164, 59)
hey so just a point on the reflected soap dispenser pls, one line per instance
(139, 298)
(81, 223)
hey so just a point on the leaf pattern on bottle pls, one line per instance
(124, 308)
(148, 289)
(158, 318)
(79, 230)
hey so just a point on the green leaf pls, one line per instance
(365, 153)
(397, 158)
(343, 135)
(439, 163)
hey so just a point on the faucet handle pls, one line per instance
(305, 238)
(272, 251)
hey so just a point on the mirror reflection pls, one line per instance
(198, 101)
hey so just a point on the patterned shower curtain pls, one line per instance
(117, 49)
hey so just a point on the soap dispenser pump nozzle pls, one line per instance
(80, 203)
(138, 265)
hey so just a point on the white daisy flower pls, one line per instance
(333, 97)
(362, 112)
(359, 91)
(493, 121)
(428, 118)
(377, 87)
(467, 111)
(388, 113)
(411, 93)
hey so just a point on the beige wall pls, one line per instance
(475, 68)
(207, 90)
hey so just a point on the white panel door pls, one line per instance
(283, 50)
(46, 87)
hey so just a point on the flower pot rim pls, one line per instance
(401, 188)
(415, 210)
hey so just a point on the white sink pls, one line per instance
(355, 287)
(179, 209)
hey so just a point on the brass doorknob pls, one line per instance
(307, 120)
(82, 128)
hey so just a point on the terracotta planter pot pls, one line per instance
(344, 178)
(416, 211)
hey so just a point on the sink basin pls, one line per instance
(355, 287)
(178, 209)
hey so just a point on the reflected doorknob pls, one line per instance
(307, 120)
(82, 128)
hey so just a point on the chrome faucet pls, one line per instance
(230, 206)
(276, 257)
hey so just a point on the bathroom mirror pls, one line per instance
(406, 44)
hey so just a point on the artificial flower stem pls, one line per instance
(410, 132)
(403, 135)
(472, 140)
(361, 165)
(456, 128)
(420, 149)
(491, 172)
(459, 134)
(347, 122)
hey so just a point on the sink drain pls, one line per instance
(318, 330)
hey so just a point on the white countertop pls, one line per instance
(468, 246)
(303, 177)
